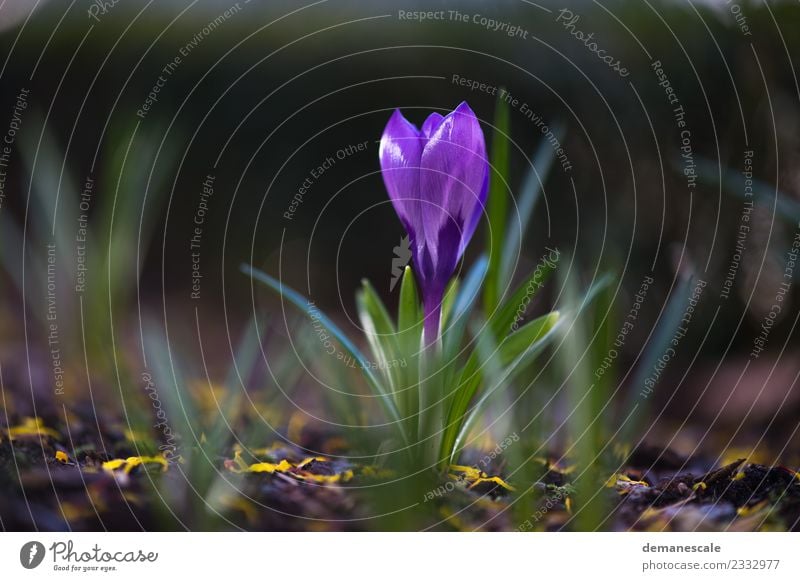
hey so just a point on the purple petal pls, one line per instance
(453, 179)
(435, 276)
(400, 154)
(431, 124)
(472, 224)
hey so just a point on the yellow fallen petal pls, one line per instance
(62, 457)
(745, 511)
(327, 478)
(114, 464)
(624, 484)
(494, 480)
(133, 461)
(312, 459)
(269, 468)
(31, 427)
(468, 472)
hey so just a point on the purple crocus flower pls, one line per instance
(437, 179)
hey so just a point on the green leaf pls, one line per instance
(584, 400)
(303, 304)
(486, 351)
(381, 334)
(513, 354)
(526, 201)
(527, 336)
(245, 357)
(471, 375)
(449, 298)
(409, 325)
(454, 332)
(497, 203)
(510, 314)
(732, 181)
(656, 343)
(409, 315)
(377, 310)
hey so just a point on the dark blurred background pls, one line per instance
(265, 91)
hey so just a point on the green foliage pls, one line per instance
(497, 202)
(436, 394)
(529, 193)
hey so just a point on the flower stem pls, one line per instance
(433, 313)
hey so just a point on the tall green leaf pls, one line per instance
(497, 203)
(409, 326)
(409, 314)
(764, 194)
(381, 335)
(302, 303)
(453, 333)
(503, 320)
(512, 352)
(526, 201)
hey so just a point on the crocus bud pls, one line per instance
(437, 178)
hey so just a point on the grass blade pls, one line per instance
(502, 323)
(503, 363)
(409, 314)
(497, 203)
(529, 195)
(302, 303)
(462, 306)
(764, 194)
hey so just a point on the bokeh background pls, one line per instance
(266, 91)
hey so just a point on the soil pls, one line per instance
(53, 481)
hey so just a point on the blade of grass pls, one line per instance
(503, 362)
(733, 182)
(302, 303)
(529, 195)
(661, 337)
(449, 298)
(409, 325)
(497, 203)
(505, 317)
(575, 356)
(462, 306)
(381, 336)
